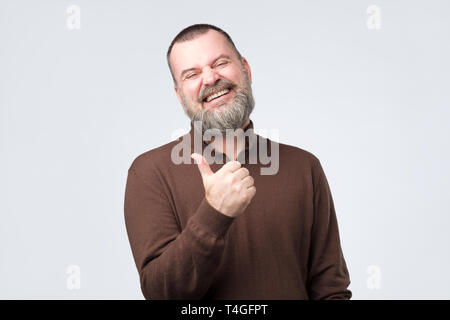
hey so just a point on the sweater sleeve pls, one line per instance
(172, 263)
(328, 277)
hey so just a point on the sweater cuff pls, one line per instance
(212, 221)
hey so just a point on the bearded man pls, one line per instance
(223, 230)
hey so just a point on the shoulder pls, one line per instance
(290, 153)
(303, 162)
(300, 154)
(155, 159)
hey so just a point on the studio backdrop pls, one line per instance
(85, 89)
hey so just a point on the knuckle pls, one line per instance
(231, 163)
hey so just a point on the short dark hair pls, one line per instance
(193, 31)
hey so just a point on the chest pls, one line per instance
(281, 208)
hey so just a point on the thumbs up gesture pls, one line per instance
(230, 189)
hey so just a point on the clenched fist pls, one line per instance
(230, 189)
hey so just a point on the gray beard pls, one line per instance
(232, 116)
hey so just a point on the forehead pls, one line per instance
(199, 51)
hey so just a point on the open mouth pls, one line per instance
(217, 96)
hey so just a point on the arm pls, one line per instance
(172, 264)
(328, 276)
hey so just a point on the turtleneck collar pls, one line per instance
(198, 138)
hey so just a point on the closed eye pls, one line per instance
(221, 63)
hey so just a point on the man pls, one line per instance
(225, 230)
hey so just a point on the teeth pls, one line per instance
(218, 94)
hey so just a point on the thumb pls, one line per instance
(203, 166)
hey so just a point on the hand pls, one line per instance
(230, 189)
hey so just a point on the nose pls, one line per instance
(209, 76)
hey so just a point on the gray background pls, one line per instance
(77, 106)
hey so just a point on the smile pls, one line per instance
(216, 95)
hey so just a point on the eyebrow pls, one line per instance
(191, 69)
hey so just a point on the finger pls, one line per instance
(248, 181)
(241, 173)
(203, 166)
(250, 192)
(231, 166)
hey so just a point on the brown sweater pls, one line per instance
(285, 245)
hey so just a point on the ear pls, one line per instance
(247, 69)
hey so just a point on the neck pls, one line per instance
(238, 145)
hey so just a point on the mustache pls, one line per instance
(220, 85)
